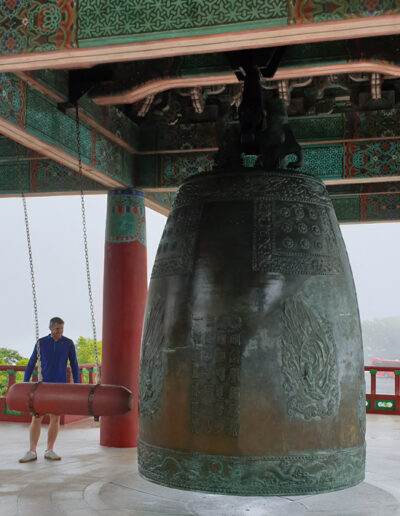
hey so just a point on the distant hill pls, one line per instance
(381, 338)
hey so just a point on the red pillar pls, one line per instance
(124, 298)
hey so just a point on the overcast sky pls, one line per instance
(56, 233)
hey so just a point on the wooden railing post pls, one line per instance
(397, 390)
(92, 375)
(11, 377)
(373, 388)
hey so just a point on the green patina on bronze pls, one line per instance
(290, 474)
(126, 221)
(256, 266)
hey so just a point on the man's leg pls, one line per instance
(34, 432)
(52, 433)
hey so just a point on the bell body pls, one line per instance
(251, 375)
(65, 398)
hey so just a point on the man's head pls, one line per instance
(56, 327)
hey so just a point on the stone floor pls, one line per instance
(92, 480)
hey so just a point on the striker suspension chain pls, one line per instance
(28, 238)
(85, 240)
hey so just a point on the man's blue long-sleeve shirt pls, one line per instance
(54, 356)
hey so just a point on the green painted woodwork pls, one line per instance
(370, 159)
(42, 176)
(55, 80)
(8, 411)
(384, 404)
(138, 20)
(367, 404)
(367, 208)
(12, 98)
(373, 371)
(9, 180)
(109, 117)
(37, 25)
(46, 25)
(45, 121)
(305, 11)
(163, 199)
(38, 115)
(126, 219)
(347, 208)
(306, 129)
(9, 150)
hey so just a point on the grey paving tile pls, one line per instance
(92, 480)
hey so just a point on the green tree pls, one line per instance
(10, 356)
(85, 351)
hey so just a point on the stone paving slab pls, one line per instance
(92, 480)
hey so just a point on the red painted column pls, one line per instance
(124, 298)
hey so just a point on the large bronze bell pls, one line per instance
(251, 374)
(252, 377)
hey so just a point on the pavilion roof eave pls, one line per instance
(88, 56)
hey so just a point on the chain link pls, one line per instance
(28, 238)
(85, 241)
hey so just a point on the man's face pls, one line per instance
(56, 330)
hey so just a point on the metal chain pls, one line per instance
(85, 240)
(28, 238)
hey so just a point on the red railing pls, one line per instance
(376, 403)
(10, 415)
(383, 403)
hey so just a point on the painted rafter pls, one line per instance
(351, 208)
(32, 119)
(161, 84)
(100, 125)
(221, 39)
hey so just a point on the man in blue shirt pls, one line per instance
(55, 351)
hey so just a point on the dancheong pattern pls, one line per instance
(50, 176)
(317, 10)
(380, 207)
(373, 159)
(37, 25)
(126, 221)
(12, 98)
(102, 18)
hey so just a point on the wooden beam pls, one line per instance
(352, 28)
(53, 152)
(166, 83)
